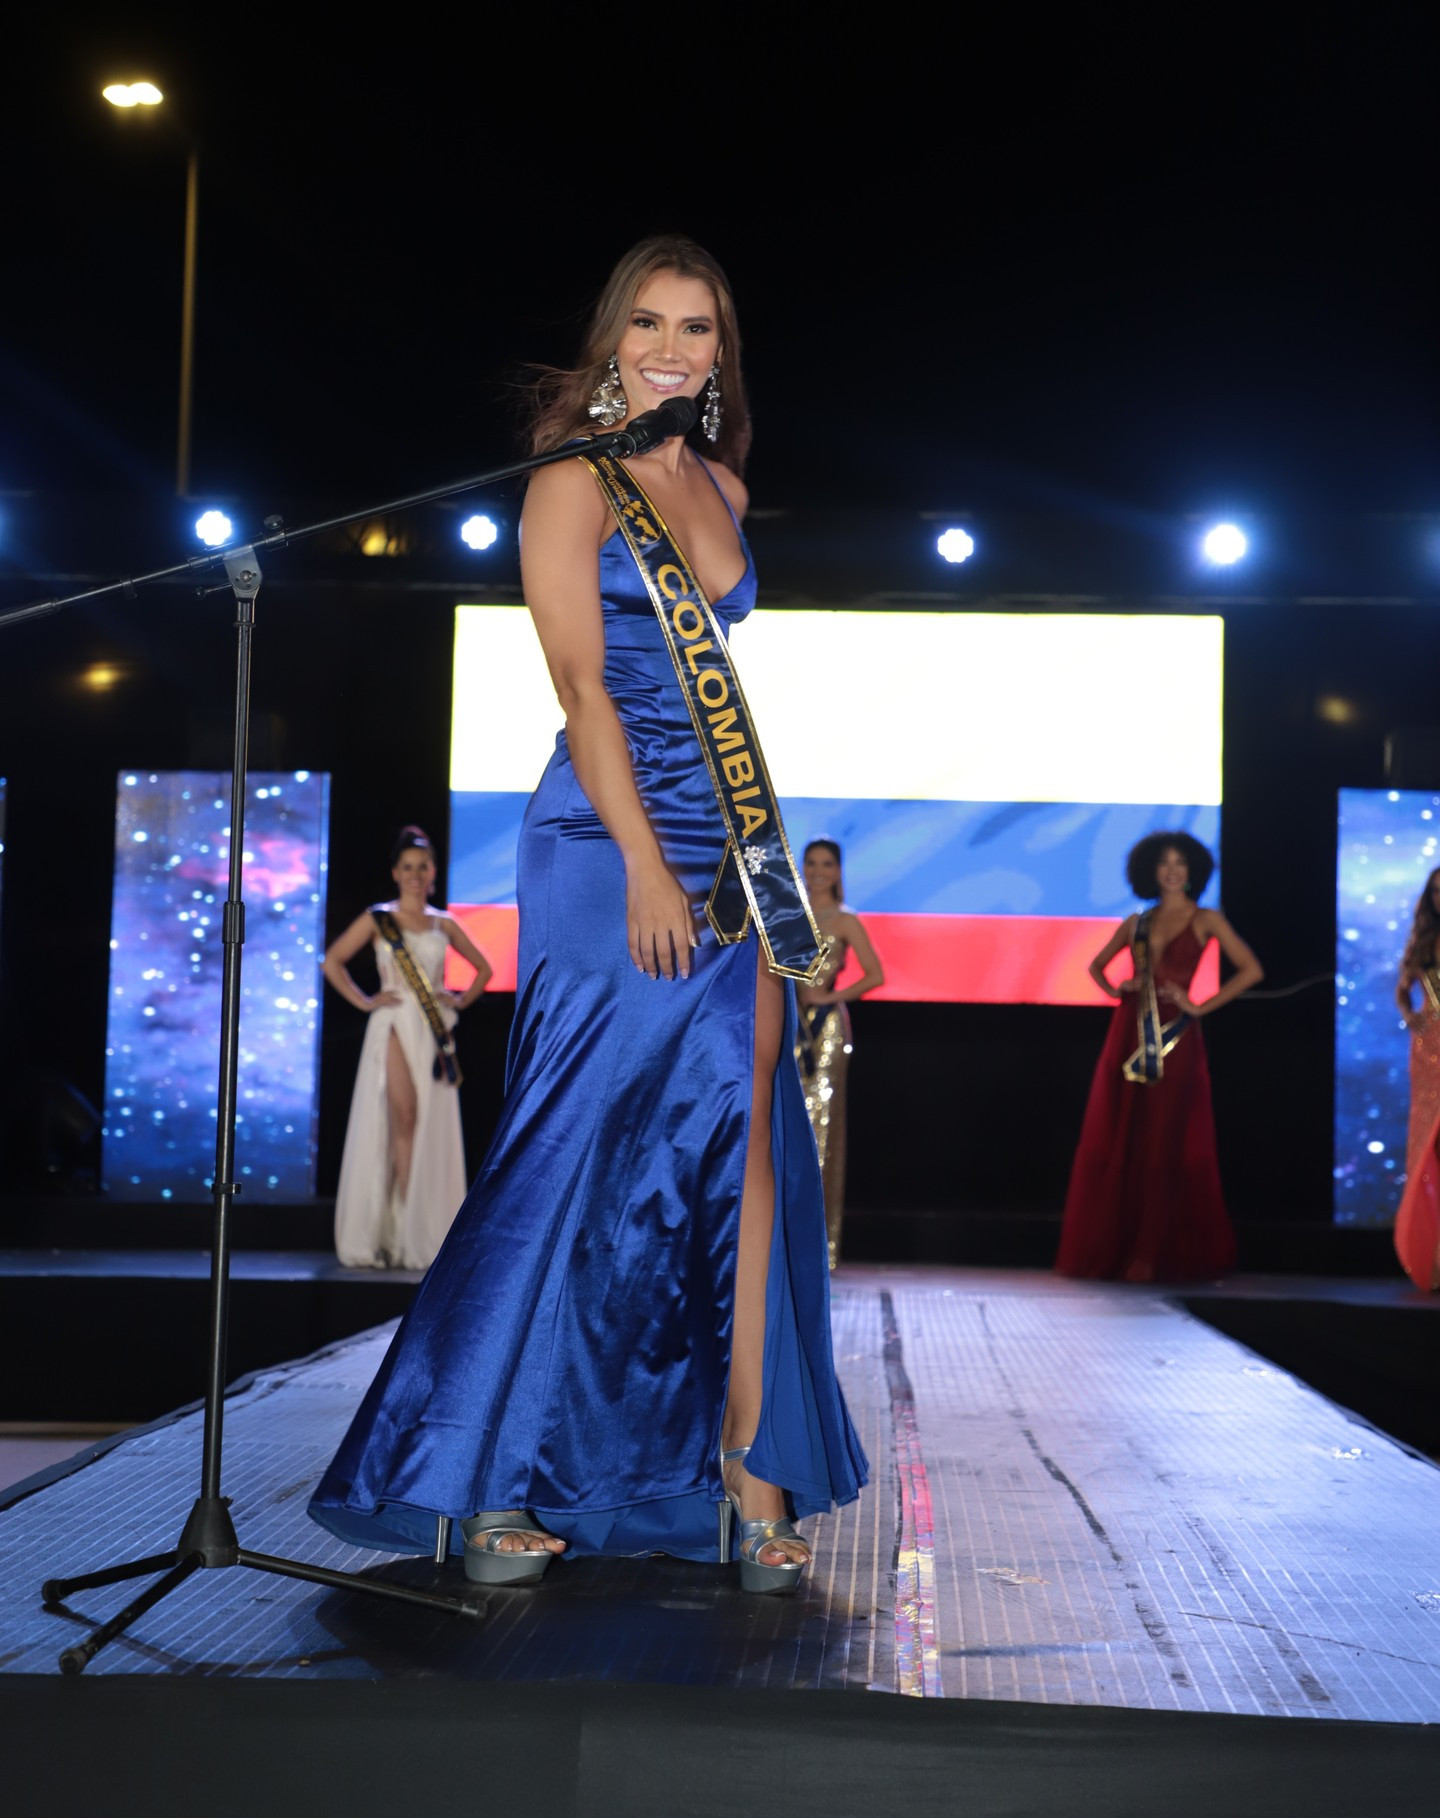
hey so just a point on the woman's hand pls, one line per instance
(1176, 995)
(382, 1000)
(1127, 987)
(658, 921)
(1415, 1020)
(816, 995)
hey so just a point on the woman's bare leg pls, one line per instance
(758, 1501)
(400, 1092)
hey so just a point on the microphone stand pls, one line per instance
(209, 1538)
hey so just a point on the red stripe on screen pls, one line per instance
(943, 959)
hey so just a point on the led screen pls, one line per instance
(1386, 848)
(985, 773)
(162, 1055)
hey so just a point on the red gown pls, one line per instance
(1145, 1202)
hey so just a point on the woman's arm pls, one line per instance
(1122, 937)
(339, 953)
(1248, 970)
(872, 972)
(467, 949)
(562, 526)
(1405, 984)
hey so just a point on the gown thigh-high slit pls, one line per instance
(376, 1224)
(569, 1351)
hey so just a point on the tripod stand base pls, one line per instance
(209, 1541)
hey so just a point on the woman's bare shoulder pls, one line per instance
(730, 484)
(565, 486)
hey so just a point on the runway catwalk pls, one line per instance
(1084, 1496)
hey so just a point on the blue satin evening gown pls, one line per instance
(569, 1350)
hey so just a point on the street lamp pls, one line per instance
(146, 94)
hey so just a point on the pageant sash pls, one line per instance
(1146, 1066)
(445, 1066)
(757, 876)
(1430, 985)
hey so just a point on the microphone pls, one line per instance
(675, 417)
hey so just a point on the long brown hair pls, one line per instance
(1420, 948)
(562, 394)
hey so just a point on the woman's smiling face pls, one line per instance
(670, 343)
(1172, 873)
(414, 872)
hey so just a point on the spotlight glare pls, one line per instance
(479, 532)
(213, 528)
(1224, 544)
(956, 545)
(132, 94)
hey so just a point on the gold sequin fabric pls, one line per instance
(822, 1052)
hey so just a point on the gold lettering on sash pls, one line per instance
(723, 726)
(762, 881)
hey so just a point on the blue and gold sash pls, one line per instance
(757, 876)
(446, 1065)
(1146, 1066)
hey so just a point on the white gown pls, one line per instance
(374, 1226)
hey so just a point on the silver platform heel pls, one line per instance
(755, 1536)
(486, 1564)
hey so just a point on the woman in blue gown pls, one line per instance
(637, 1281)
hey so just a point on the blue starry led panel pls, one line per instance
(162, 1051)
(1387, 847)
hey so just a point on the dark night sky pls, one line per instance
(1158, 266)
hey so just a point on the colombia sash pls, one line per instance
(445, 1065)
(1430, 985)
(1146, 1066)
(757, 876)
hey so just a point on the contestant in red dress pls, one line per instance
(1417, 1223)
(1145, 1201)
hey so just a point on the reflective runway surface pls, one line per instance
(1082, 1495)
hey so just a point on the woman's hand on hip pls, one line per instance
(382, 1000)
(658, 921)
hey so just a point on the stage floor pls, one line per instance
(1081, 1495)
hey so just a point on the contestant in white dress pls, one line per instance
(402, 1176)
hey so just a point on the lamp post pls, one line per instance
(146, 94)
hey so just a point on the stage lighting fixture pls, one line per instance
(955, 545)
(213, 528)
(479, 532)
(1224, 544)
(132, 94)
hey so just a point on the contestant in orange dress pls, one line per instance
(1144, 1202)
(1417, 1223)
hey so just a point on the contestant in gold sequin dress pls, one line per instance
(822, 1046)
(1417, 1223)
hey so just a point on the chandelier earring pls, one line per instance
(608, 403)
(710, 418)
